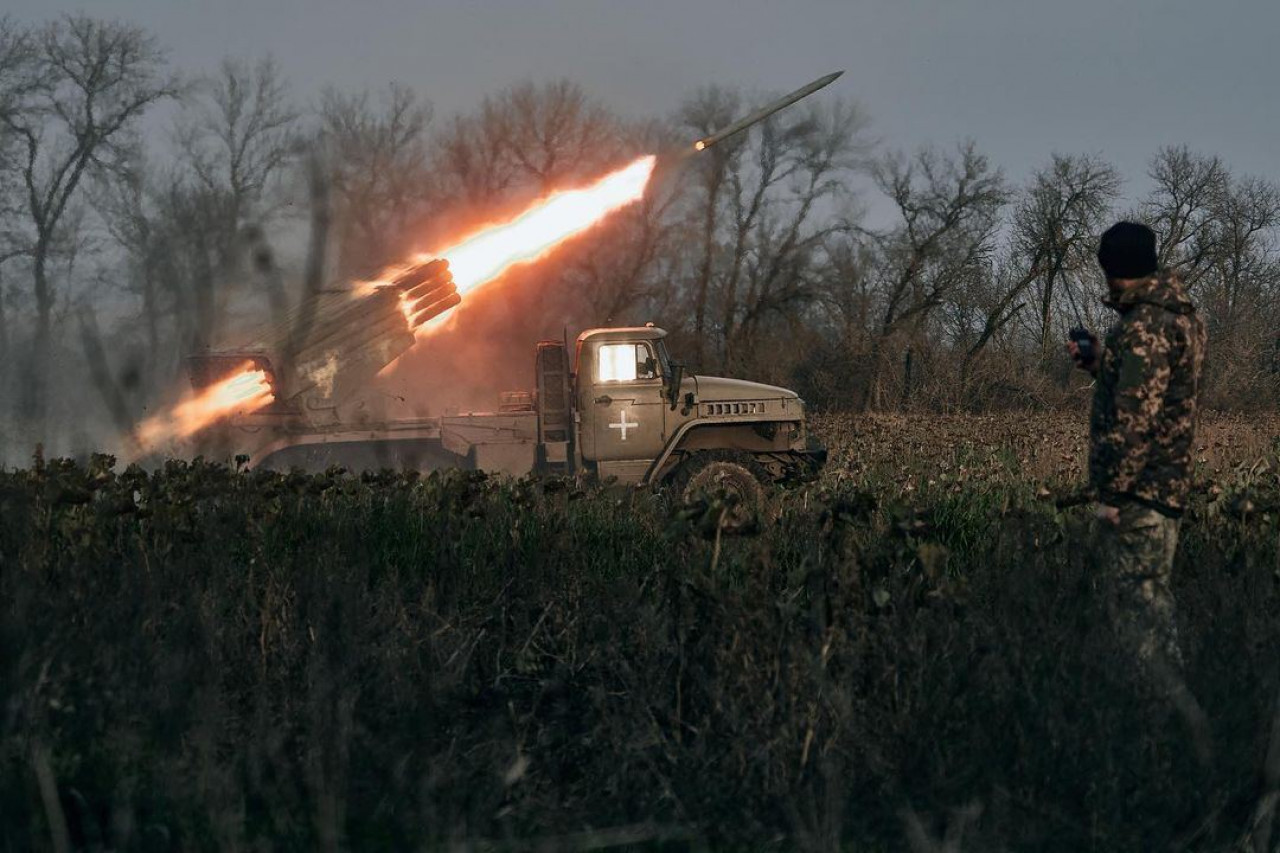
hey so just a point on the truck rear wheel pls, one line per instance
(735, 478)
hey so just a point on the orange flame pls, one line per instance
(241, 393)
(493, 250)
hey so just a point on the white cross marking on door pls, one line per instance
(623, 425)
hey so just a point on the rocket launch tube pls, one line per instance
(435, 309)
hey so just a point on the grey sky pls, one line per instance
(1021, 78)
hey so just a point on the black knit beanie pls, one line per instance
(1128, 250)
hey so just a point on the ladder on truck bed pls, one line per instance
(555, 408)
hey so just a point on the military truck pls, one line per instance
(623, 410)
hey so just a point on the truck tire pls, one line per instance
(722, 474)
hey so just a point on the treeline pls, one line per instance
(119, 258)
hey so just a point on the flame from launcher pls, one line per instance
(244, 391)
(490, 251)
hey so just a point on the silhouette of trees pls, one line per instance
(74, 90)
(187, 226)
(377, 147)
(763, 210)
(948, 209)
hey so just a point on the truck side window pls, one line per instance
(626, 363)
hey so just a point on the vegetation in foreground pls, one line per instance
(197, 657)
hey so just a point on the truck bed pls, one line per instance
(505, 442)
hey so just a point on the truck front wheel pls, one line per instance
(735, 478)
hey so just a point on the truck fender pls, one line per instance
(651, 474)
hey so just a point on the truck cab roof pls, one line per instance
(623, 333)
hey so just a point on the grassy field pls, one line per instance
(909, 648)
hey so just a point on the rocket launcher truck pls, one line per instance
(618, 406)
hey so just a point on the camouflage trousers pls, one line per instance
(1135, 562)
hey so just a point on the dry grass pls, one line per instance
(909, 654)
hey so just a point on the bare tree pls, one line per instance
(1219, 232)
(783, 262)
(1239, 292)
(177, 244)
(530, 136)
(1241, 270)
(1054, 226)
(378, 149)
(122, 203)
(706, 113)
(84, 86)
(237, 136)
(765, 207)
(17, 55)
(1188, 187)
(185, 229)
(949, 208)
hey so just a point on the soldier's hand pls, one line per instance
(1109, 514)
(1085, 361)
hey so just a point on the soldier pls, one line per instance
(1142, 433)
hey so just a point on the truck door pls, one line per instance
(625, 403)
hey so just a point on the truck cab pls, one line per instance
(621, 395)
(640, 417)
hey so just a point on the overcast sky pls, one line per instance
(1021, 77)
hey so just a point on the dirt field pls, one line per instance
(1048, 448)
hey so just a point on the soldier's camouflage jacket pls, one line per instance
(1144, 404)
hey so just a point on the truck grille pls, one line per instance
(748, 407)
